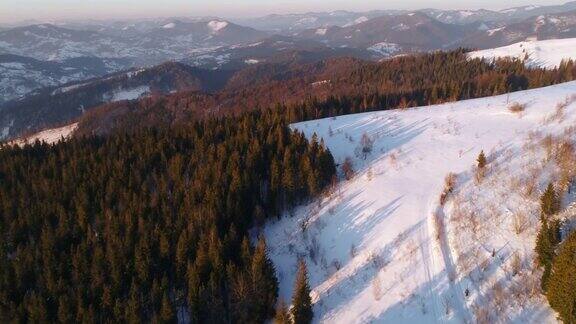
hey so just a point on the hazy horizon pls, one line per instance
(70, 10)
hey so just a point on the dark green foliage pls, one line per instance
(133, 227)
(549, 235)
(550, 201)
(546, 243)
(302, 312)
(561, 291)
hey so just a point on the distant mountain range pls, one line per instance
(408, 32)
(87, 58)
(171, 40)
(294, 23)
(542, 27)
(21, 75)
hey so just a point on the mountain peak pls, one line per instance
(217, 25)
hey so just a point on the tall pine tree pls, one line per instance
(550, 202)
(561, 290)
(549, 235)
(301, 302)
(264, 282)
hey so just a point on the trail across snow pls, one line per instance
(375, 249)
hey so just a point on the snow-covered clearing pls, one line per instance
(127, 94)
(68, 88)
(49, 136)
(385, 49)
(359, 20)
(545, 53)
(382, 248)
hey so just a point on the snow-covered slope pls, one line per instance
(49, 136)
(381, 248)
(545, 53)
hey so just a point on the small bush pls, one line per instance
(519, 222)
(449, 183)
(481, 167)
(377, 288)
(516, 264)
(517, 107)
(348, 168)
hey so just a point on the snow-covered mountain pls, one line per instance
(409, 32)
(541, 27)
(523, 12)
(60, 104)
(546, 53)
(506, 16)
(274, 49)
(21, 75)
(294, 23)
(166, 41)
(51, 42)
(290, 24)
(384, 247)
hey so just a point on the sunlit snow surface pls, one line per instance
(49, 136)
(545, 53)
(372, 247)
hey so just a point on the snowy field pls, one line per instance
(544, 53)
(382, 247)
(49, 136)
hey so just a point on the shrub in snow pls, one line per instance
(519, 222)
(376, 288)
(517, 107)
(365, 147)
(352, 251)
(449, 183)
(481, 167)
(516, 264)
(348, 168)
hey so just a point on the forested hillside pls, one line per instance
(151, 225)
(336, 87)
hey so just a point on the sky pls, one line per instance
(43, 10)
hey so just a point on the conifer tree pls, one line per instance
(544, 251)
(549, 235)
(264, 282)
(166, 310)
(550, 202)
(302, 312)
(151, 218)
(282, 314)
(481, 160)
(561, 290)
